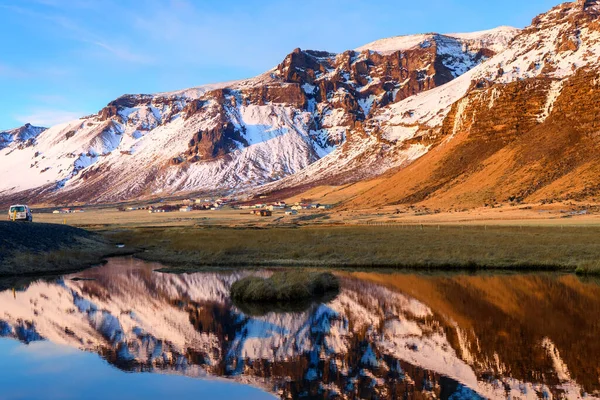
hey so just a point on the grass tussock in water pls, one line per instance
(284, 287)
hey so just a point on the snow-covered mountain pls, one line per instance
(239, 135)
(329, 118)
(369, 342)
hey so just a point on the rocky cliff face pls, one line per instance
(240, 135)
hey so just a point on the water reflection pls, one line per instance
(44, 370)
(383, 336)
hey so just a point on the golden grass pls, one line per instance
(422, 247)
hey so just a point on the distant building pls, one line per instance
(185, 209)
(291, 212)
(262, 213)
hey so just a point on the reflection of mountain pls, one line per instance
(492, 336)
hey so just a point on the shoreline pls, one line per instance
(226, 238)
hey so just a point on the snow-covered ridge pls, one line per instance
(20, 136)
(198, 91)
(497, 39)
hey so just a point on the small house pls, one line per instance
(266, 213)
(291, 212)
(185, 209)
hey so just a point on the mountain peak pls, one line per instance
(24, 135)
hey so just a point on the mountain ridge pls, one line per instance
(315, 118)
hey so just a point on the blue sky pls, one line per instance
(61, 59)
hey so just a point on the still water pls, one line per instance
(125, 331)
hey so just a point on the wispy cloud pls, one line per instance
(72, 30)
(8, 71)
(124, 54)
(48, 117)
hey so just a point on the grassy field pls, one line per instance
(533, 237)
(569, 249)
(32, 248)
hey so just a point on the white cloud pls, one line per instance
(124, 54)
(48, 117)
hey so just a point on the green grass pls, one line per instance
(421, 247)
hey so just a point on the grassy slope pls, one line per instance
(31, 248)
(445, 247)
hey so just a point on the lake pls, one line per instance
(122, 330)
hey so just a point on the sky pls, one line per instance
(63, 59)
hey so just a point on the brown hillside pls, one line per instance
(497, 145)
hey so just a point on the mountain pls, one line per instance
(314, 106)
(449, 121)
(521, 127)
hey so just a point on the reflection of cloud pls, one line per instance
(48, 117)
